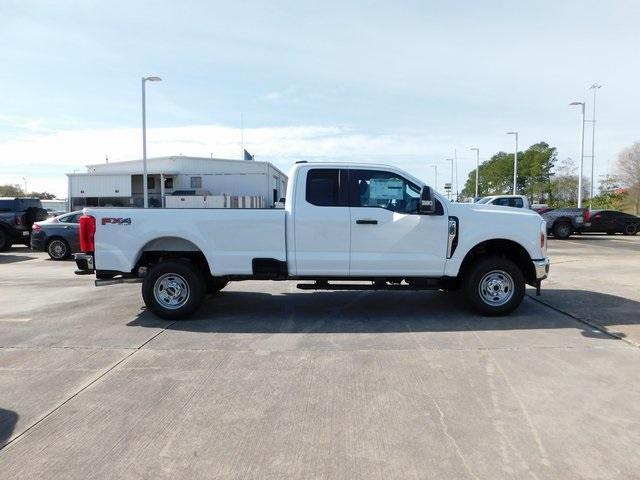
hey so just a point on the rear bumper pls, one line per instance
(84, 262)
(542, 268)
(19, 234)
(38, 242)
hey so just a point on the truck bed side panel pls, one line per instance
(229, 238)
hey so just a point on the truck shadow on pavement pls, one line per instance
(388, 312)
(8, 420)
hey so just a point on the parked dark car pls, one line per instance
(58, 236)
(612, 221)
(562, 222)
(17, 215)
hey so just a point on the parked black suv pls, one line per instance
(17, 216)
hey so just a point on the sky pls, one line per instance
(406, 83)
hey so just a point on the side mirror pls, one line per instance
(427, 202)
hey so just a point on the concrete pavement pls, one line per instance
(271, 382)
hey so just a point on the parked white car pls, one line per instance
(340, 222)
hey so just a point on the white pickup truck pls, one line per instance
(374, 226)
(517, 201)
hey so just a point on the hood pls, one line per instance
(484, 209)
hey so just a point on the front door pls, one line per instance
(388, 235)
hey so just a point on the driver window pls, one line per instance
(377, 188)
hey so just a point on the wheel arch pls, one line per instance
(503, 247)
(172, 247)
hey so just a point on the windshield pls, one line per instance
(484, 200)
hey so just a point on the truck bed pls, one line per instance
(229, 238)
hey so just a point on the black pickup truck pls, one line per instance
(17, 216)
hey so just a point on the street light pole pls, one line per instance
(145, 192)
(435, 182)
(595, 88)
(455, 157)
(581, 151)
(477, 150)
(515, 163)
(450, 190)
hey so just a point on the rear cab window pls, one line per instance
(323, 187)
(6, 205)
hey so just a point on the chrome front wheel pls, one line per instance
(496, 288)
(493, 285)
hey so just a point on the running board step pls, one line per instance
(429, 285)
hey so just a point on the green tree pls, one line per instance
(564, 185)
(42, 195)
(534, 173)
(10, 191)
(611, 196)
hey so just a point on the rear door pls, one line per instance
(321, 223)
(388, 235)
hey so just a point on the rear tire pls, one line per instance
(58, 249)
(630, 229)
(5, 241)
(173, 289)
(562, 230)
(494, 286)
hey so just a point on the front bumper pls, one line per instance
(84, 262)
(542, 268)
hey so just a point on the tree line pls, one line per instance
(545, 179)
(17, 191)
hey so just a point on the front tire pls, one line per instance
(58, 249)
(494, 286)
(562, 230)
(173, 289)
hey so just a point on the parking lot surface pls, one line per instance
(271, 382)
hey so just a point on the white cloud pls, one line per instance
(45, 158)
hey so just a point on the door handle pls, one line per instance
(366, 222)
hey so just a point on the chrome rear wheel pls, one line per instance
(171, 291)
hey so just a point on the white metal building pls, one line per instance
(120, 183)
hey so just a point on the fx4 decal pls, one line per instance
(116, 221)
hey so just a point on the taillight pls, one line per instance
(35, 228)
(87, 232)
(18, 219)
(587, 216)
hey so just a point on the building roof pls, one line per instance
(151, 161)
